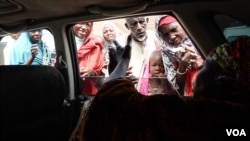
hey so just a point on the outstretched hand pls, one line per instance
(123, 52)
(122, 55)
(115, 53)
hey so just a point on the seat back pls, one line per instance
(31, 102)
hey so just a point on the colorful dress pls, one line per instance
(234, 60)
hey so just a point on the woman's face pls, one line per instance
(156, 65)
(109, 33)
(35, 35)
(172, 33)
(81, 30)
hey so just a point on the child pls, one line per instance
(155, 80)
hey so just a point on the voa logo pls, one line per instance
(236, 132)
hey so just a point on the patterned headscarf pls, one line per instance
(234, 59)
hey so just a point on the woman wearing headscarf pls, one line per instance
(109, 33)
(226, 72)
(90, 56)
(181, 59)
(29, 49)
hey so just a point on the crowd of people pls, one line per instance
(97, 54)
(220, 101)
(181, 61)
(166, 67)
(220, 95)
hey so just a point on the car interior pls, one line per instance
(45, 102)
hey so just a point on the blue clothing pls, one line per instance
(22, 51)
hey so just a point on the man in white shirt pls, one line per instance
(143, 43)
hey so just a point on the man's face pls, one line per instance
(172, 33)
(81, 30)
(137, 26)
(35, 35)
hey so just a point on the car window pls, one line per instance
(34, 47)
(97, 46)
(231, 28)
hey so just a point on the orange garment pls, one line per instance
(190, 79)
(88, 87)
(90, 56)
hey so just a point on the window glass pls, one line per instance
(34, 47)
(155, 53)
(231, 28)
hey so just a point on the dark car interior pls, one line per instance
(34, 105)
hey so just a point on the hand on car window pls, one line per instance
(87, 72)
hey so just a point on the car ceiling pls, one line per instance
(12, 11)
(17, 14)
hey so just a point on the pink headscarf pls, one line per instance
(144, 86)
